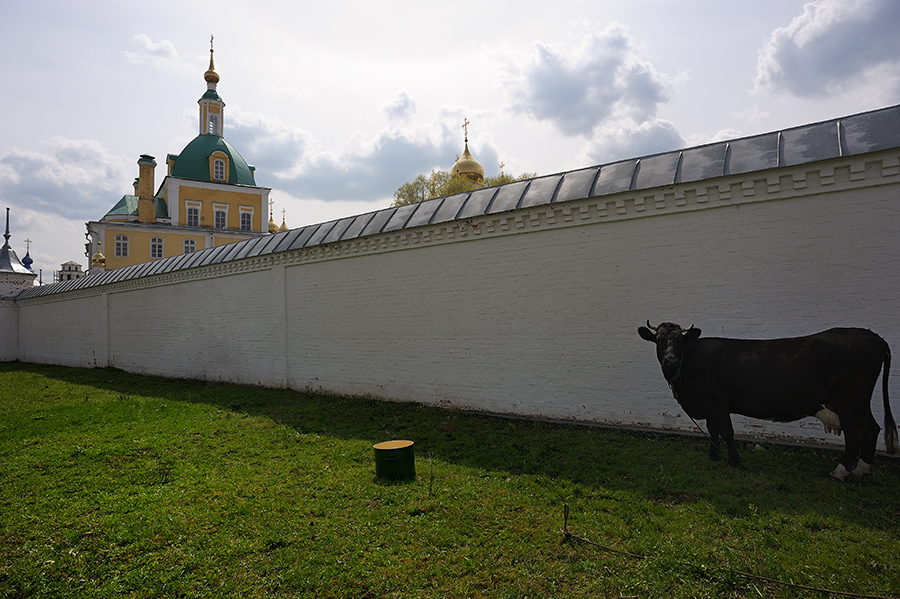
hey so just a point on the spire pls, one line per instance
(211, 105)
(9, 262)
(6, 235)
(210, 75)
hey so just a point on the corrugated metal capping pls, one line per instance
(857, 134)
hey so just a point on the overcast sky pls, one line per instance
(339, 103)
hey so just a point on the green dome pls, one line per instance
(193, 162)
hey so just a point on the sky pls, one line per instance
(339, 103)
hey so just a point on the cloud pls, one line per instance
(834, 46)
(72, 178)
(619, 141)
(365, 168)
(400, 109)
(159, 54)
(597, 79)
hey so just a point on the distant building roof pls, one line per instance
(128, 206)
(847, 136)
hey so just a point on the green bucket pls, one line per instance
(395, 460)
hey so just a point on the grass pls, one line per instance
(121, 485)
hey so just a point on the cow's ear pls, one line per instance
(647, 334)
(691, 334)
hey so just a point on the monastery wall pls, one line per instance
(9, 326)
(531, 312)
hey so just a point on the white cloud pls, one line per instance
(834, 46)
(599, 77)
(401, 109)
(619, 141)
(161, 55)
(68, 177)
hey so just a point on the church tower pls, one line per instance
(208, 197)
(211, 105)
(14, 276)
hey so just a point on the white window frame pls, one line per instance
(220, 211)
(189, 209)
(218, 169)
(156, 247)
(190, 246)
(121, 246)
(247, 214)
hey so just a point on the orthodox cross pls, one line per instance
(27, 245)
(211, 42)
(271, 206)
(502, 164)
(466, 128)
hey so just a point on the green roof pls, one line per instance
(128, 206)
(193, 162)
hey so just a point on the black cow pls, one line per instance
(830, 375)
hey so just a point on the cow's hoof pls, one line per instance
(840, 473)
(862, 468)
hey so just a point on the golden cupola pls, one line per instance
(466, 165)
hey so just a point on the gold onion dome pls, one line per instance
(467, 166)
(98, 259)
(283, 226)
(210, 75)
(273, 226)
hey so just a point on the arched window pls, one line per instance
(218, 169)
(156, 247)
(121, 246)
(190, 246)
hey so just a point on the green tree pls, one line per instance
(440, 183)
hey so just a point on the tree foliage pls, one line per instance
(440, 183)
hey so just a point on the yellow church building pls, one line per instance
(208, 197)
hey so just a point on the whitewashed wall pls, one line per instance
(9, 331)
(530, 312)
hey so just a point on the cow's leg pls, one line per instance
(714, 439)
(869, 441)
(720, 428)
(853, 436)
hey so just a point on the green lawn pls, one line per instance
(116, 485)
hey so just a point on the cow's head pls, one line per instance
(670, 340)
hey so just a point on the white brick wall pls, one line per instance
(532, 312)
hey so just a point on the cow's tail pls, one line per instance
(890, 427)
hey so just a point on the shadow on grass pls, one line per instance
(664, 469)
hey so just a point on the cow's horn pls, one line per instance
(650, 326)
(688, 330)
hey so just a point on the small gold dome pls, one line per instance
(210, 75)
(273, 226)
(283, 226)
(468, 167)
(98, 259)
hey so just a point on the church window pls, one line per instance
(190, 246)
(193, 216)
(213, 127)
(121, 250)
(219, 169)
(156, 247)
(221, 219)
(246, 221)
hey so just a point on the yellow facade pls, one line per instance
(208, 197)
